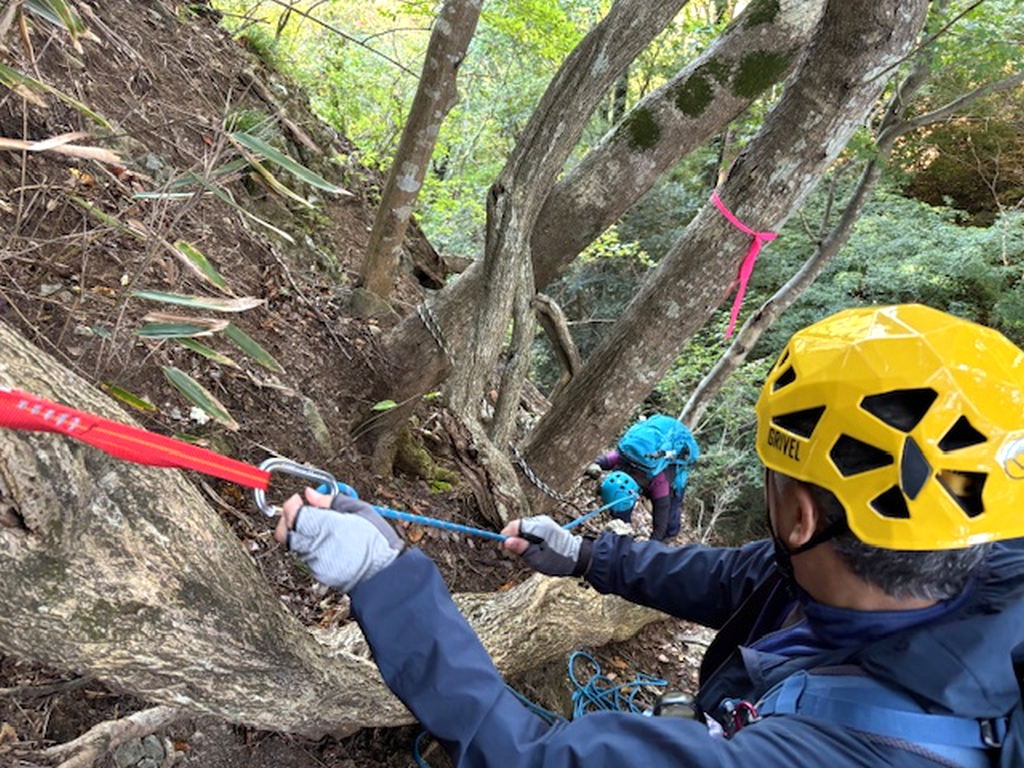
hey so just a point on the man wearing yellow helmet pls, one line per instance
(874, 627)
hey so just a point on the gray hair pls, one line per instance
(925, 574)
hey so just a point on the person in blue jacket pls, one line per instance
(874, 627)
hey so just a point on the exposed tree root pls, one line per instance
(84, 751)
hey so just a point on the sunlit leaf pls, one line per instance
(198, 262)
(196, 394)
(384, 405)
(263, 148)
(207, 352)
(247, 344)
(202, 302)
(127, 397)
(164, 326)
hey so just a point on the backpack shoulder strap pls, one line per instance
(863, 704)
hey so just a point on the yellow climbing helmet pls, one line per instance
(912, 418)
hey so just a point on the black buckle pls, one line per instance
(676, 704)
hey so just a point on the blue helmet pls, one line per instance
(621, 491)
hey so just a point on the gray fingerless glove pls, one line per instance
(343, 549)
(553, 550)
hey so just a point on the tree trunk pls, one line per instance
(435, 96)
(836, 85)
(124, 573)
(613, 176)
(513, 203)
(540, 153)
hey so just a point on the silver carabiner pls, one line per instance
(289, 467)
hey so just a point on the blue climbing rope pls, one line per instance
(433, 522)
(408, 517)
(593, 513)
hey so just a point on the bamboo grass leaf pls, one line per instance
(202, 302)
(210, 354)
(198, 262)
(261, 147)
(59, 13)
(133, 228)
(272, 181)
(126, 397)
(20, 82)
(247, 344)
(61, 145)
(196, 394)
(163, 326)
(224, 197)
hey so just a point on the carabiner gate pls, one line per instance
(318, 477)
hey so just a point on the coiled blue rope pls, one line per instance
(598, 693)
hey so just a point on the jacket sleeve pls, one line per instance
(433, 661)
(701, 584)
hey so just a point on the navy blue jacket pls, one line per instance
(432, 660)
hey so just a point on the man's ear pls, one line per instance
(806, 517)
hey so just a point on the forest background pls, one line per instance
(944, 227)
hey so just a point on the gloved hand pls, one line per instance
(552, 549)
(593, 470)
(343, 545)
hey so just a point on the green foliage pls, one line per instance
(974, 161)
(538, 29)
(657, 220)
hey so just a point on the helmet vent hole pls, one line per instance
(901, 409)
(914, 468)
(965, 488)
(788, 376)
(852, 457)
(891, 504)
(960, 435)
(801, 423)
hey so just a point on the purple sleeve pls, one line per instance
(609, 461)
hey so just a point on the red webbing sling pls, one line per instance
(20, 410)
